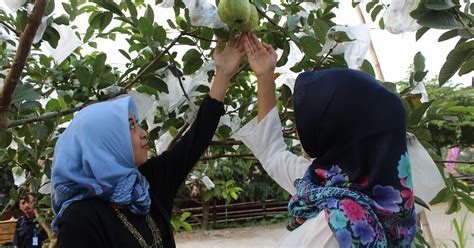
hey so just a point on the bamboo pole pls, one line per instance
(373, 54)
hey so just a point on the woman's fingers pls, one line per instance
(251, 43)
(248, 47)
(256, 41)
(230, 41)
(218, 50)
(269, 48)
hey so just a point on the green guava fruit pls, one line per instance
(233, 12)
(252, 22)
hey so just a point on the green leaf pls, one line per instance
(420, 202)
(234, 195)
(320, 29)
(132, 9)
(46, 201)
(376, 11)
(110, 6)
(442, 196)
(187, 227)
(83, 75)
(101, 20)
(125, 54)
(192, 61)
(381, 23)
(207, 34)
(462, 109)
(340, 36)
(25, 92)
(284, 56)
(159, 34)
(418, 113)
(454, 60)
(49, 8)
(5, 139)
(41, 131)
(53, 105)
(370, 6)
(467, 67)
(292, 22)
(149, 14)
(62, 20)
(186, 41)
(448, 35)
(439, 4)
(467, 200)
(367, 67)
(390, 86)
(439, 20)
(310, 47)
(419, 62)
(420, 32)
(147, 89)
(99, 63)
(454, 206)
(145, 26)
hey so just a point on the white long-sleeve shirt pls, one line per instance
(265, 139)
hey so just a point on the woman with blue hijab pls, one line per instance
(356, 190)
(105, 190)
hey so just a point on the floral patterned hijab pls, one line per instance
(361, 177)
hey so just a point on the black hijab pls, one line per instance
(361, 177)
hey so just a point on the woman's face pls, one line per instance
(139, 142)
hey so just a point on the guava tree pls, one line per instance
(53, 64)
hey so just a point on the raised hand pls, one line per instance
(227, 65)
(262, 57)
(228, 60)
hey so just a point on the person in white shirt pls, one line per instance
(358, 190)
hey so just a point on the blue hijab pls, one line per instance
(94, 157)
(361, 177)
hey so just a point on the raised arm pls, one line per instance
(264, 136)
(168, 171)
(262, 59)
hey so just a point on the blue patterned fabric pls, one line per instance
(361, 177)
(94, 157)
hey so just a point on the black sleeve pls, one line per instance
(167, 172)
(16, 239)
(78, 228)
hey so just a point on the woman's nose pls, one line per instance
(143, 133)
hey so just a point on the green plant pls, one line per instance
(180, 222)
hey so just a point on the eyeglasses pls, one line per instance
(133, 123)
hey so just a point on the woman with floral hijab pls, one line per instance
(356, 191)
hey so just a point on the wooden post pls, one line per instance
(373, 54)
(425, 226)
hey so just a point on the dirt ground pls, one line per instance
(269, 235)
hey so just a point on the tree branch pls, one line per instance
(23, 50)
(154, 61)
(199, 37)
(178, 135)
(318, 65)
(226, 143)
(456, 162)
(262, 13)
(241, 156)
(179, 78)
(7, 26)
(124, 90)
